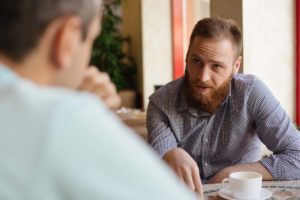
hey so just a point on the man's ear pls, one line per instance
(66, 41)
(237, 65)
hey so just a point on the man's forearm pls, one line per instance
(255, 167)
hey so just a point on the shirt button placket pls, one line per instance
(204, 155)
(206, 149)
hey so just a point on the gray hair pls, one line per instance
(23, 22)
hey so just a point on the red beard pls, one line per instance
(210, 100)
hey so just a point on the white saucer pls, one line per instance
(226, 194)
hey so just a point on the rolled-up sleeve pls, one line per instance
(277, 132)
(160, 135)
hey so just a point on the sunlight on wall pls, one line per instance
(269, 47)
(157, 47)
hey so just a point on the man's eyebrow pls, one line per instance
(196, 55)
(217, 62)
(209, 60)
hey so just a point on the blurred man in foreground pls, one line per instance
(58, 143)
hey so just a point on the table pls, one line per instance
(288, 190)
(136, 120)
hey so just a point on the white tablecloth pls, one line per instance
(283, 190)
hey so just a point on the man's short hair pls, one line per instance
(23, 22)
(216, 28)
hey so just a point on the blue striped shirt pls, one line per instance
(232, 135)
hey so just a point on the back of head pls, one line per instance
(22, 22)
(216, 28)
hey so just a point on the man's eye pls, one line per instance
(216, 66)
(196, 61)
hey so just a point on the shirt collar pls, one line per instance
(6, 74)
(181, 101)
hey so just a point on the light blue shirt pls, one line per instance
(62, 144)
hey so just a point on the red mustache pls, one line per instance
(203, 84)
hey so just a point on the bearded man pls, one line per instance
(211, 122)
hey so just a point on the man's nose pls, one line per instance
(204, 74)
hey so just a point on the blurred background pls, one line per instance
(143, 44)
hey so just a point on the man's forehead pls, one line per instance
(211, 48)
(212, 42)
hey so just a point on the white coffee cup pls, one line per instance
(244, 185)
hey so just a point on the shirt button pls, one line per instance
(206, 164)
(206, 140)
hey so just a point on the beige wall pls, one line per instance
(148, 22)
(269, 46)
(157, 47)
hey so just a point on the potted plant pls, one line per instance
(111, 52)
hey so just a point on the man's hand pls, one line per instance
(186, 168)
(99, 84)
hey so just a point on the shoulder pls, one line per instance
(53, 98)
(57, 105)
(80, 109)
(251, 91)
(246, 85)
(168, 93)
(251, 85)
(244, 82)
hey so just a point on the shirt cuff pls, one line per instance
(273, 166)
(164, 146)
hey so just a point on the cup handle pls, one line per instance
(224, 186)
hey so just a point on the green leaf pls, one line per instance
(108, 50)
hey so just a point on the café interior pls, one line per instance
(159, 31)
